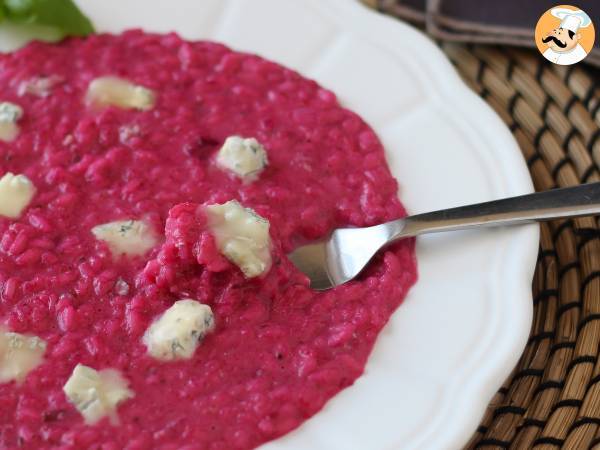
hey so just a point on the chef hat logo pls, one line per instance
(571, 19)
(564, 35)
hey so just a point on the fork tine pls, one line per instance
(311, 260)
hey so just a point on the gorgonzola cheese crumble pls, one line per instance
(114, 91)
(19, 355)
(242, 236)
(126, 237)
(244, 157)
(16, 192)
(96, 394)
(9, 116)
(178, 331)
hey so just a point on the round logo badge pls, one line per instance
(564, 35)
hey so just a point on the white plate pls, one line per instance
(464, 324)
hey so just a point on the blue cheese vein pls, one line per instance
(96, 394)
(19, 355)
(245, 157)
(127, 237)
(10, 114)
(178, 331)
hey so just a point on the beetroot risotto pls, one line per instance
(150, 189)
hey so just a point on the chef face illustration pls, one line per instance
(562, 42)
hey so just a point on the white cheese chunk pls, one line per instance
(16, 192)
(242, 236)
(107, 91)
(178, 331)
(9, 116)
(244, 157)
(19, 355)
(96, 394)
(127, 237)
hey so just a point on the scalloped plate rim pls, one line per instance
(446, 86)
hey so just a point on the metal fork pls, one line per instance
(347, 251)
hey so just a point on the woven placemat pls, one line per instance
(552, 398)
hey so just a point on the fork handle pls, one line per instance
(583, 200)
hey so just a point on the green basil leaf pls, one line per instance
(18, 8)
(61, 14)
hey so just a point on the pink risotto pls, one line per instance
(278, 350)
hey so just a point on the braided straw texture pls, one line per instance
(552, 398)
